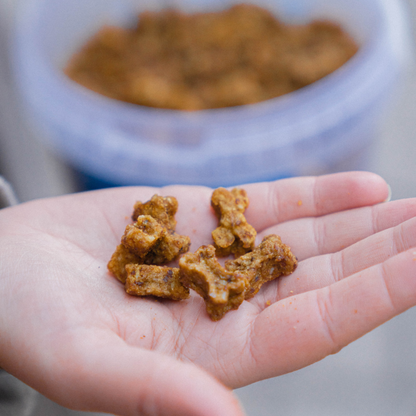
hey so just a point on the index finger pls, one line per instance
(287, 199)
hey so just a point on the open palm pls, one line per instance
(69, 330)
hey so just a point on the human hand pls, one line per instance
(69, 330)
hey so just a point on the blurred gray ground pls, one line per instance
(375, 375)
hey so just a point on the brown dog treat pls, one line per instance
(118, 261)
(163, 209)
(151, 239)
(222, 290)
(168, 248)
(214, 59)
(268, 261)
(159, 281)
(144, 234)
(233, 234)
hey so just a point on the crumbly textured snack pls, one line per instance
(233, 234)
(120, 258)
(159, 281)
(161, 208)
(143, 235)
(151, 240)
(168, 248)
(222, 290)
(170, 244)
(233, 57)
(268, 261)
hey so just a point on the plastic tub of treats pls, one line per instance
(329, 125)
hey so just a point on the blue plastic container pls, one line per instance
(328, 126)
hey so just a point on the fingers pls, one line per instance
(324, 270)
(303, 329)
(302, 199)
(316, 236)
(271, 203)
(321, 271)
(111, 376)
(275, 202)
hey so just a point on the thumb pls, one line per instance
(126, 380)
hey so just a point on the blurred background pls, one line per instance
(375, 375)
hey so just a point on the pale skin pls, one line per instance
(68, 329)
